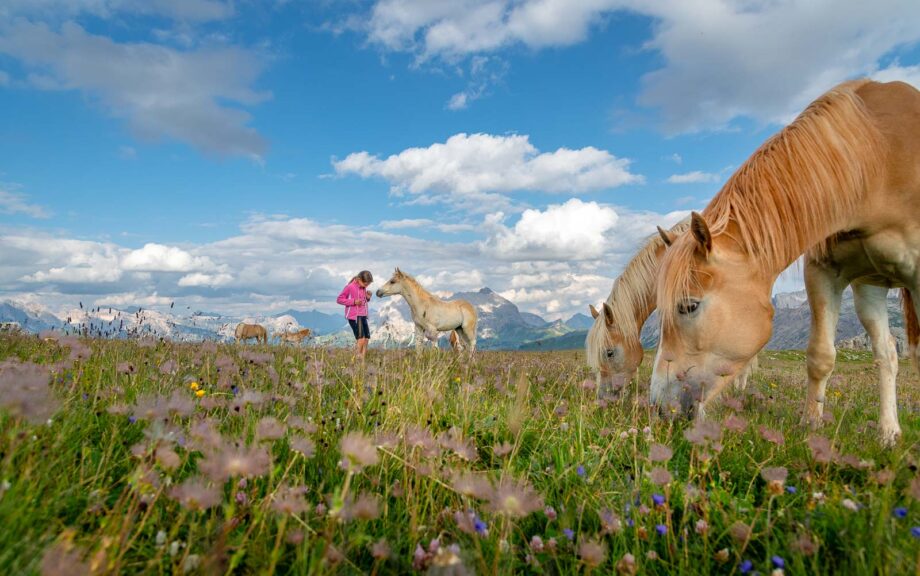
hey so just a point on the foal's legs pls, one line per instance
(824, 293)
(872, 309)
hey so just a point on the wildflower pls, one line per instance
(775, 477)
(514, 498)
(269, 429)
(658, 499)
(821, 449)
(610, 522)
(63, 559)
(703, 432)
(580, 470)
(915, 531)
(226, 462)
(380, 550)
(651, 555)
(778, 561)
(569, 533)
(627, 565)
(883, 477)
(167, 458)
(849, 505)
(303, 446)
(199, 393)
(592, 552)
(364, 507)
(195, 495)
(550, 513)
(740, 531)
(289, 500)
(659, 453)
(359, 452)
(913, 490)
(804, 545)
(735, 423)
(472, 485)
(25, 390)
(503, 449)
(774, 436)
(193, 385)
(333, 556)
(701, 527)
(536, 544)
(900, 512)
(745, 567)
(660, 476)
(721, 556)
(662, 529)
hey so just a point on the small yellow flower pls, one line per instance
(199, 393)
(193, 385)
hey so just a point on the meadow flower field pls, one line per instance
(121, 457)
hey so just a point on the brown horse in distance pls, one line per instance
(295, 337)
(248, 331)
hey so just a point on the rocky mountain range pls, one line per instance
(501, 324)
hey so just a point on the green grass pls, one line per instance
(87, 486)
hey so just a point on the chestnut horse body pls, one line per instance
(246, 332)
(843, 179)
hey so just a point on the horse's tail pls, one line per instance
(911, 326)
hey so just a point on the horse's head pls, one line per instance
(393, 286)
(613, 355)
(716, 314)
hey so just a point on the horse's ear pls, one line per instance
(665, 236)
(398, 272)
(701, 232)
(608, 314)
(594, 312)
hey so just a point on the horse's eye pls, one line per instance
(611, 353)
(688, 307)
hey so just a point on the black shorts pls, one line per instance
(360, 328)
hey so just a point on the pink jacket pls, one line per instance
(349, 295)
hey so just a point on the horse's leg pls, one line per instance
(455, 340)
(872, 309)
(469, 332)
(419, 338)
(824, 293)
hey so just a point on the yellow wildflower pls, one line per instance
(193, 385)
(199, 393)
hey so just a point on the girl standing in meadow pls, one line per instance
(354, 297)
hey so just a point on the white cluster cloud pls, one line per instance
(552, 261)
(468, 168)
(14, 202)
(194, 96)
(721, 60)
(694, 177)
(575, 230)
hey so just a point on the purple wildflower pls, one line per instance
(746, 567)
(569, 533)
(132, 419)
(915, 531)
(580, 470)
(481, 527)
(900, 512)
(661, 529)
(658, 499)
(791, 489)
(778, 561)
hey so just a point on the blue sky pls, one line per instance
(251, 156)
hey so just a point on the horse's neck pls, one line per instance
(415, 297)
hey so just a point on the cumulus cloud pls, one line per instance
(160, 258)
(552, 261)
(571, 231)
(473, 167)
(721, 60)
(160, 91)
(694, 177)
(182, 10)
(14, 202)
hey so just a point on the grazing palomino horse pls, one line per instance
(431, 314)
(846, 166)
(295, 337)
(247, 331)
(613, 347)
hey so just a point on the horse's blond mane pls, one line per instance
(632, 292)
(798, 188)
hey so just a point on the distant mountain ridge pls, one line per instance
(502, 325)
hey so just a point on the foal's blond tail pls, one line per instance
(911, 326)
